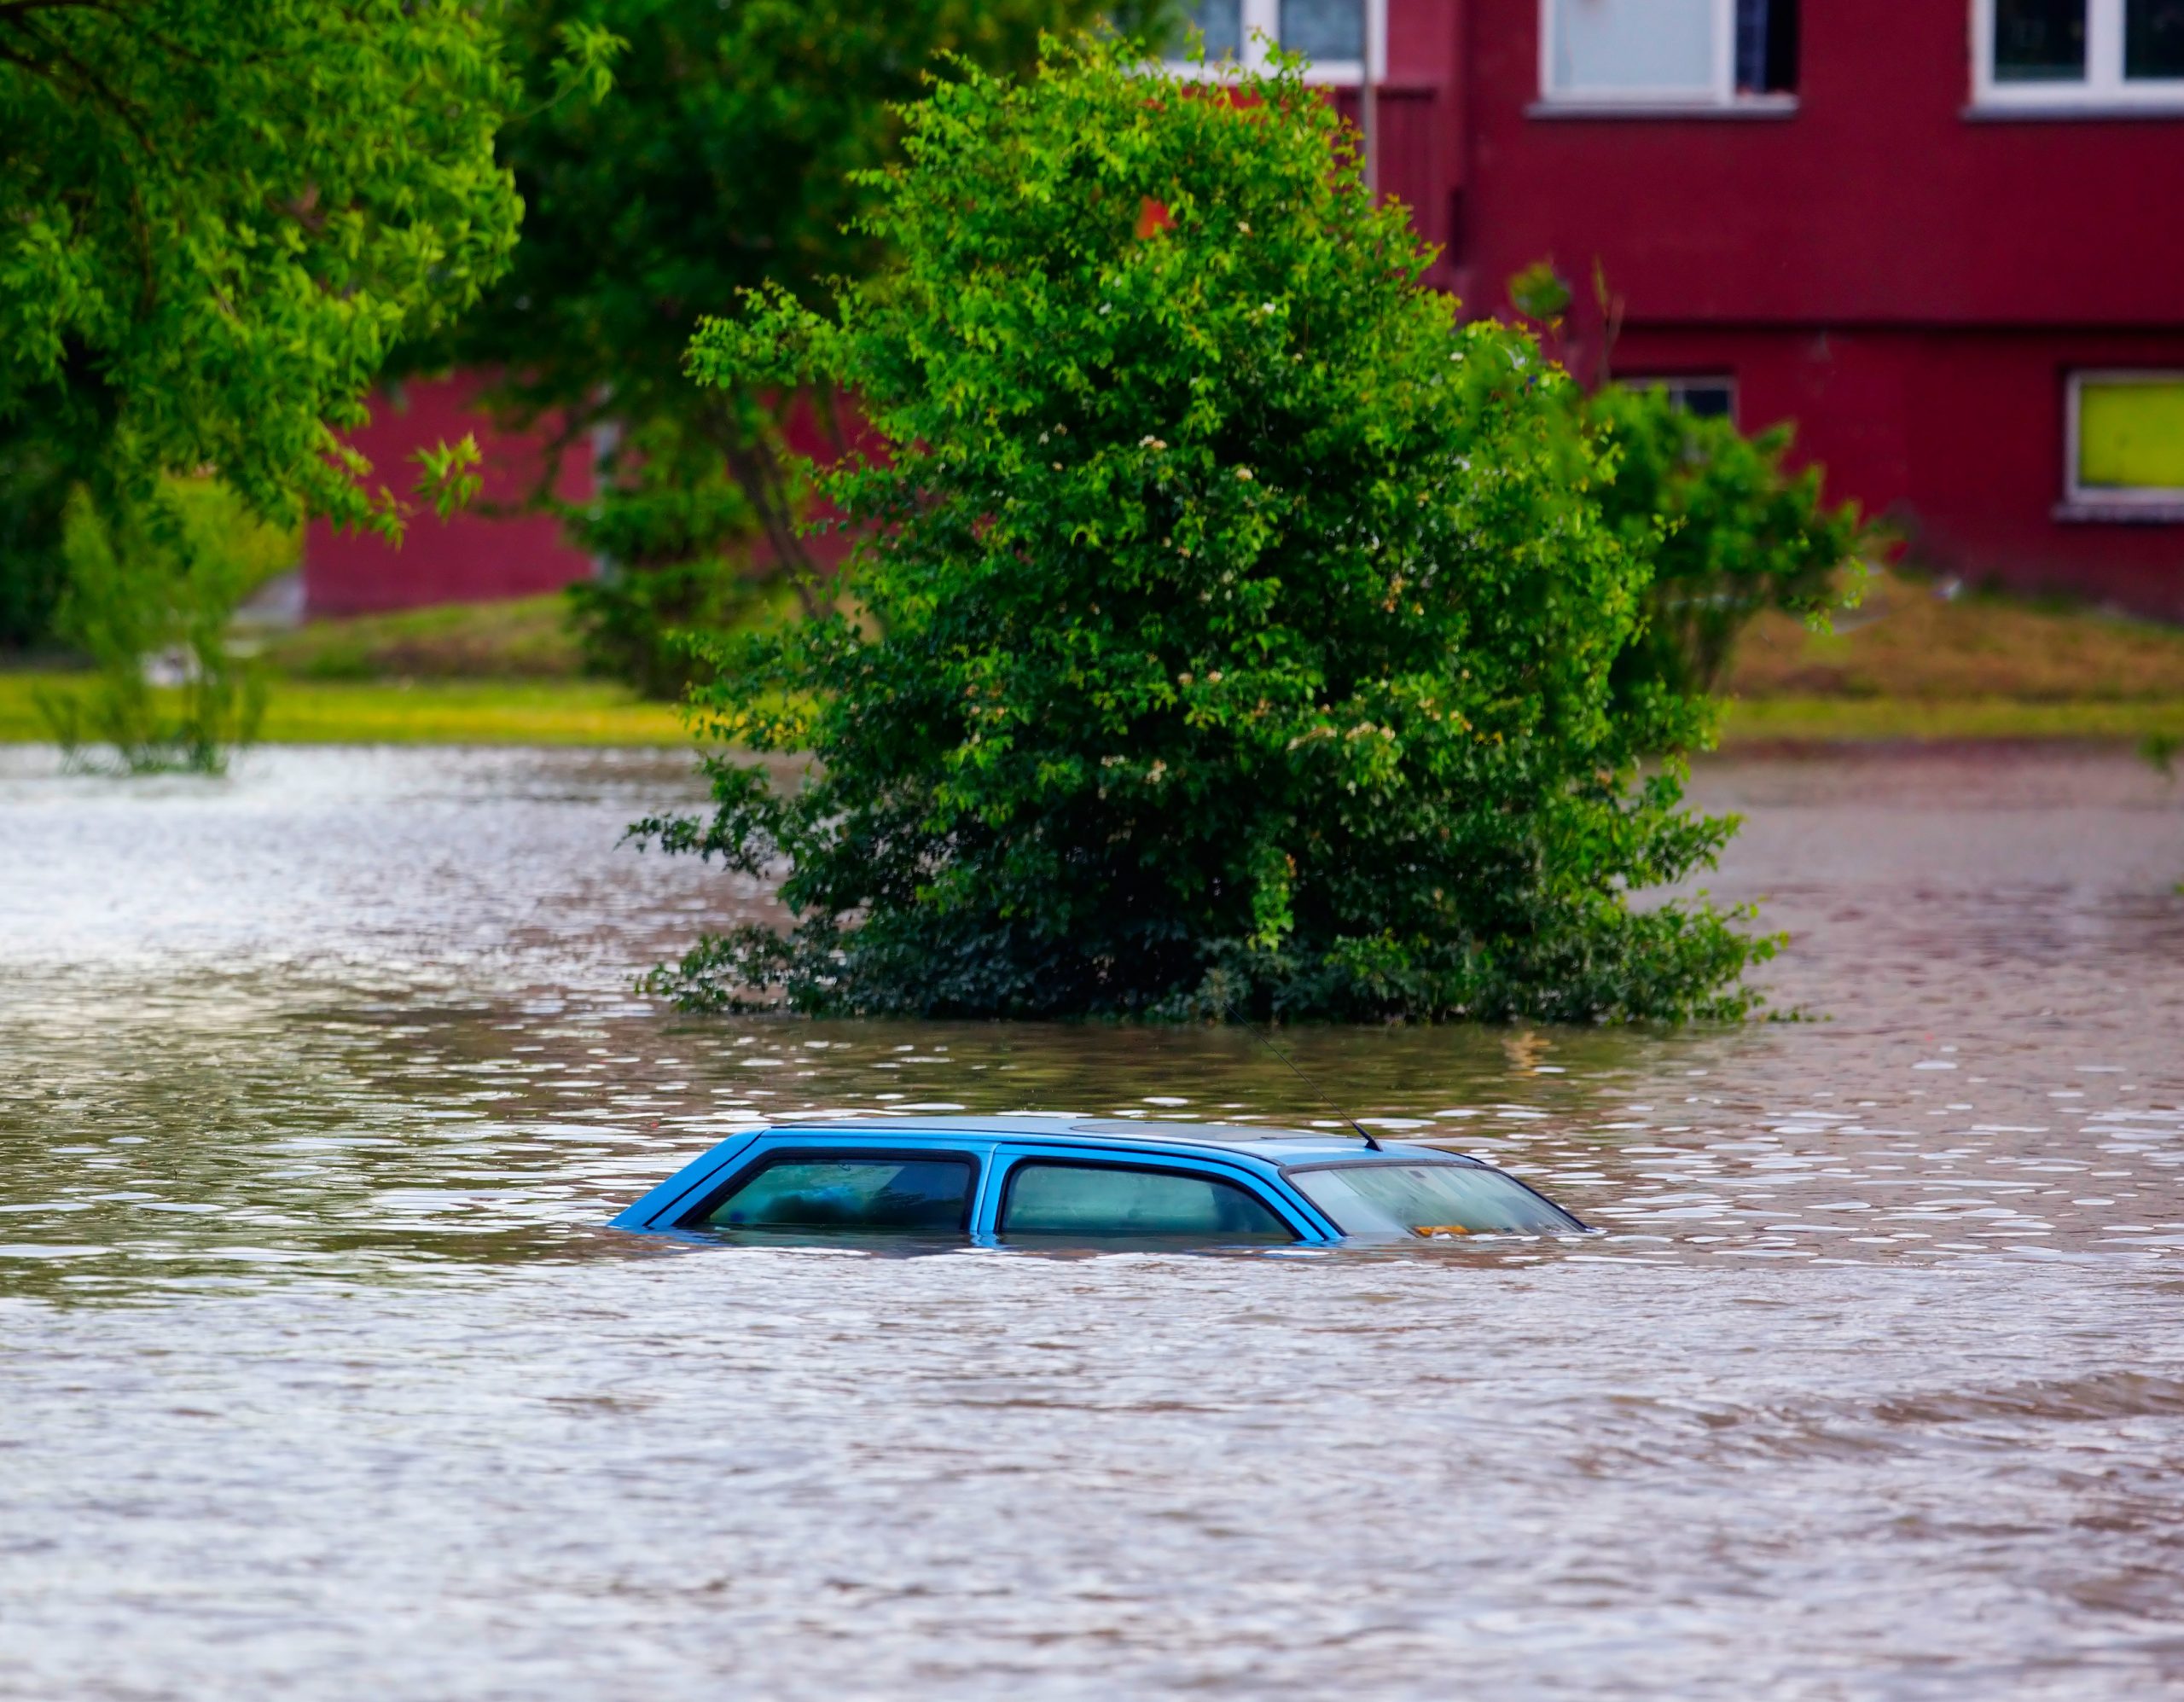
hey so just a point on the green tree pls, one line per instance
(33, 498)
(1233, 628)
(727, 160)
(216, 221)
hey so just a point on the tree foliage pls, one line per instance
(216, 222)
(727, 159)
(1738, 533)
(1233, 629)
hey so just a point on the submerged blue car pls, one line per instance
(1032, 1181)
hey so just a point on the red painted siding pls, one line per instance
(473, 556)
(1877, 200)
(1909, 281)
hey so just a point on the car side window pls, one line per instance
(907, 1195)
(1102, 1202)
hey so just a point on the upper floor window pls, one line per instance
(1668, 52)
(2078, 53)
(1332, 33)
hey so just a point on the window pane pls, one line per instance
(1087, 1203)
(895, 1196)
(1430, 1199)
(1325, 29)
(2153, 39)
(2039, 41)
(1223, 22)
(1710, 399)
(1767, 46)
(2131, 434)
(1648, 47)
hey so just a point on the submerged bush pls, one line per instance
(1233, 628)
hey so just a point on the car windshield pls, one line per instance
(1429, 1200)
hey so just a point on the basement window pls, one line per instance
(2125, 445)
(1710, 397)
(1668, 54)
(1331, 33)
(2077, 56)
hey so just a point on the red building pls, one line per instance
(1945, 237)
(500, 546)
(476, 555)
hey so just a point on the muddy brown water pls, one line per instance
(319, 1376)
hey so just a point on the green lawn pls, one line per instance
(524, 638)
(1843, 720)
(586, 712)
(433, 712)
(1908, 664)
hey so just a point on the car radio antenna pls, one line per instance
(1318, 1092)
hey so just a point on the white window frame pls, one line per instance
(2152, 502)
(1721, 90)
(2103, 86)
(1263, 24)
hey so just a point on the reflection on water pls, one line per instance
(317, 1085)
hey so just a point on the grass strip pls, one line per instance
(1850, 720)
(588, 712)
(423, 712)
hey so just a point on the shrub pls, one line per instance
(676, 550)
(1737, 534)
(162, 576)
(1233, 628)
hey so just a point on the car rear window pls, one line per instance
(1430, 1199)
(1103, 1202)
(912, 1194)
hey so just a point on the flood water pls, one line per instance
(320, 1378)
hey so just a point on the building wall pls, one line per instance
(1908, 281)
(1877, 199)
(473, 555)
(479, 554)
(1955, 437)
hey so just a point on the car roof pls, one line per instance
(1274, 1144)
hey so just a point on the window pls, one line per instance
(2125, 439)
(2060, 54)
(1115, 1202)
(1671, 52)
(1709, 399)
(887, 1194)
(1330, 31)
(1430, 1201)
